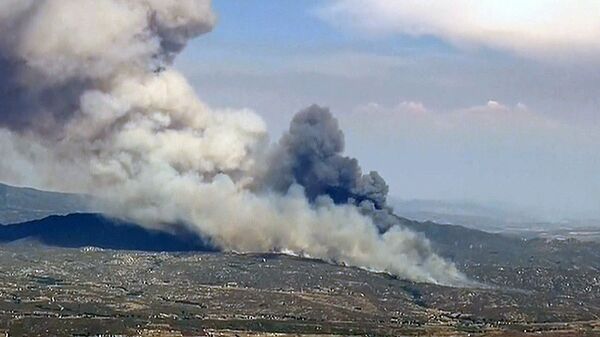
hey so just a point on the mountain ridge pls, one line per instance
(95, 230)
(22, 204)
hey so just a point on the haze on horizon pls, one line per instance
(497, 109)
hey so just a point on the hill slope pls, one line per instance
(459, 244)
(470, 246)
(82, 230)
(25, 204)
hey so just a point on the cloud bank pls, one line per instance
(549, 30)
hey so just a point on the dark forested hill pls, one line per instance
(82, 230)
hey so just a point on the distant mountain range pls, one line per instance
(496, 219)
(463, 213)
(25, 204)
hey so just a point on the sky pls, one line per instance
(494, 102)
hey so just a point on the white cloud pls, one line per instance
(491, 119)
(546, 29)
(492, 152)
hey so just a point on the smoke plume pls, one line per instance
(89, 102)
(310, 154)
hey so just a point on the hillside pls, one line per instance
(470, 246)
(84, 230)
(461, 245)
(25, 204)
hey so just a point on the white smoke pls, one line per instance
(91, 104)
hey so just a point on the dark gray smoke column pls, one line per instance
(310, 154)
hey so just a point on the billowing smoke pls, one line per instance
(90, 103)
(310, 154)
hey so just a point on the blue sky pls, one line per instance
(443, 109)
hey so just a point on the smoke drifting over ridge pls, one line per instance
(89, 102)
